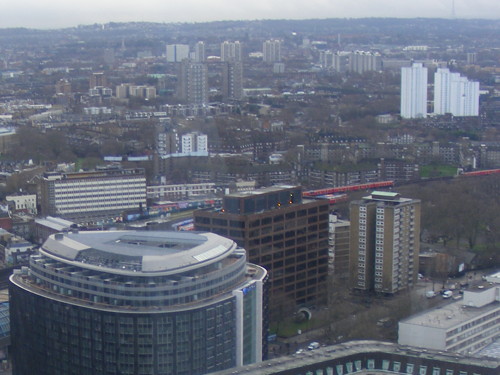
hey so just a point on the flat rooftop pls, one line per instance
(138, 251)
(340, 351)
(387, 196)
(449, 316)
(55, 223)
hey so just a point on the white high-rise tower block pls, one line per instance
(414, 91)
(455, 94)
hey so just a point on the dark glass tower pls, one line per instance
(137, 303)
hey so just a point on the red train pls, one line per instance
(481, 173)
(343, 189)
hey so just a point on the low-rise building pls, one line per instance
(370, 358)
(180, 191)
(465, 326)
(8, 140)
(46, 226)
(17, 251)
(23, 202)
(87, 196)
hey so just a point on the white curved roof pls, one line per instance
(138, 251)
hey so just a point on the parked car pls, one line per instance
(430, 294)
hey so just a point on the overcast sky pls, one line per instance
(64, 13)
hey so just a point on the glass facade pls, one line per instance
(105, 310)
(66, 339)
(4, 320)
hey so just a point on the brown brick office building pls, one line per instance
(281, 232)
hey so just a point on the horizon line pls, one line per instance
(243, 20)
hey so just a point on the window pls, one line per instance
(349, 367)
(385, 364)
(396, 366)
(370, 364)
(237, 224)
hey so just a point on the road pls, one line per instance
(362, 314)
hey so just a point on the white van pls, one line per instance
(313, 345)
(447, 294)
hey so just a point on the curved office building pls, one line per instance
(128, 302)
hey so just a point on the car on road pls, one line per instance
(313, 345)
(447, 294)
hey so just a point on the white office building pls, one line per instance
(455, 94)
(414, 91)
(84, 196)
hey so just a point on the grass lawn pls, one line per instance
(427, 171)
(289, 328)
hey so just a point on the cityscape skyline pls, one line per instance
(58, 14)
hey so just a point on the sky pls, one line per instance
(51, 14)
